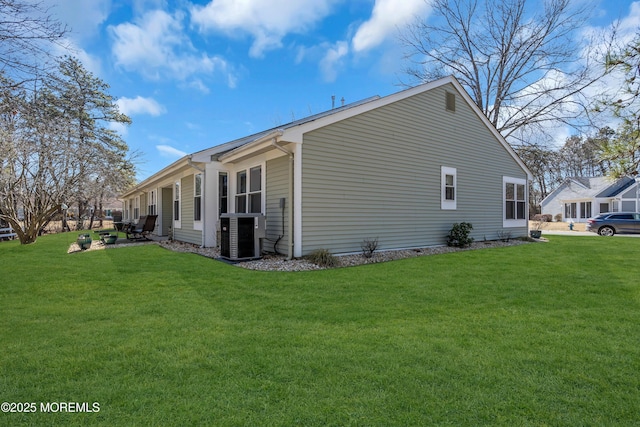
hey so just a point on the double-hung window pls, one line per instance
(448, 199)
(197, 197)
(249, 190)
(223, 193)
(515, 202)
(241, 192)
(585, 209)
(152, 206)
(255, 189)
(136, 207)
(176, 204)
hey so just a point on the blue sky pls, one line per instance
(194, 74)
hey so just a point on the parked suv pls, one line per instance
(608, 224)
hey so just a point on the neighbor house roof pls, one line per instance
(617, 187)
(589, 187)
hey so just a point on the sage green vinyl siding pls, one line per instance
(186, 233)
(277, 187)
(378, 175)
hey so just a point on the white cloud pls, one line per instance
(630, 24)
(140, 105)
(267, 22)
(333, 59)
(169, 151)
(157, 46)
(387, 16)
(198, 85)
(83, 17)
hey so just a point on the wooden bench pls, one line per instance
(140, 230)
(7, 233)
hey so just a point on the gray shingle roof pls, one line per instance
(221, 149)
(617, 187)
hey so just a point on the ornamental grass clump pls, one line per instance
(323, 258)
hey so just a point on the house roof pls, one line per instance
(294, 131)
(213, 153)
(617, 187)
(219, 150)
(589, 187)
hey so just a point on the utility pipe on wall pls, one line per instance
(274, 142)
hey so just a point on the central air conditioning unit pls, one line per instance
(241, 234)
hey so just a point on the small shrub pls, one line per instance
(542, 217)
(504, 235)
(459, 235)
(369, 246)
(558, 217)
(323, 258)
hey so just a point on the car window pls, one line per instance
(622, 216)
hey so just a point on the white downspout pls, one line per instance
(274, 142)
(202, 205)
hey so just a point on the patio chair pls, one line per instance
(146, 224)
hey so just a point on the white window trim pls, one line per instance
(152, 200)
(197, 224)
(178, 198)
(507, 223)
(234, 186)
(444, 203)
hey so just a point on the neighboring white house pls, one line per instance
(578, 199)
(401, 169)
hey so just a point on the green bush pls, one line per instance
(459, 235)
(323, 258)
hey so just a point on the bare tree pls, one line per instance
(36, 168)
(544, 164)
(56, 147)
(524, 68)
(581, 155)
(27, 32)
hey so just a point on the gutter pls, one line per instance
(204, 204)
(250, 145)
(274, 143)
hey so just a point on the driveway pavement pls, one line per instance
(580, 233)
(567, 233)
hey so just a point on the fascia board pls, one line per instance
(159, 176)
(250, 147)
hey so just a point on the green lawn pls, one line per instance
(537, 334)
